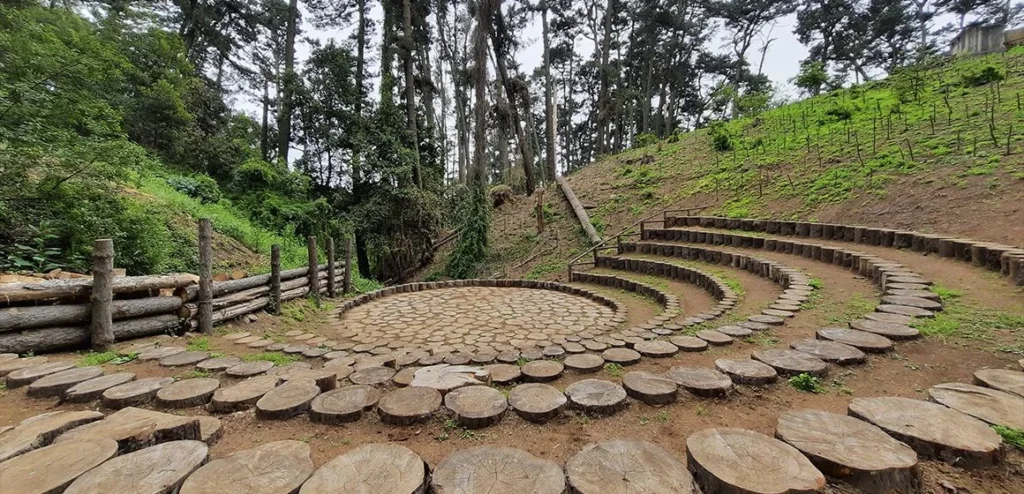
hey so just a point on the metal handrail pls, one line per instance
(618, 236)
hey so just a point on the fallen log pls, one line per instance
(581, 212)
(79, 288)
(18, 318)
(69, 337)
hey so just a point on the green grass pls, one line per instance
(961, 320)
(1012, 436)
(614, 370)
(807, 383)
(277, 358)
(842, 312)
(198, 344)
(92, 359)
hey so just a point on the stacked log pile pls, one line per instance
(51, 315)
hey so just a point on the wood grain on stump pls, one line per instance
(933, 430)
(541, 371)
(747, 371)
(29, 375)
(536, 402)
(740, 461)
(621, 356)
(584, 363)
(734, 331)
(249, 369)
(851, 451)
(920, 303)
(273, 468)
(187, 393)
(890, 330)
(287, 400)
(242, 395)
(651, 389)
(135, 428)
(134, 393)
(904, 310)
(40, 430)
(325, 379)
(595, 396)
(159, 352)
(626, 467)
(887, 317)
(371, 469)
(714, 337)
(57, 383)
(184, 358)
(218, 364)
(11, 365)
(830, 351)
(701, 381)
(990, 405)
(504, 373)
(778, 313)
(404, 377)
(445, 377)
(93, 389)
(496, 470)
(210, 429)
(792, 362)
(1002, 379)
(237, 336)
(656, 348)
(405, 406)
(158, 469)
(343, 405)
(476, 407)
(902, 292)
(868, 342)
(766, 319)
(372, 376)
(51, 469)
(754, 326)
(689, 343)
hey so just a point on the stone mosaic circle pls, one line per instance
(477, 317)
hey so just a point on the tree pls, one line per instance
(550, 118)
(500, 36)
(812, 77)
(746, 18)
(892, 32)
(985, 10)
(408, 51)
(284, 125)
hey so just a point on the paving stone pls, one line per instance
(93, 389)
(406, 406)
(187, 393)
(29, 375)
(371, 469)
(620, 466)
(792, 362)
(475, 407)
(272, 468)
(890, 330)
(242, 395)
(649, 388)
(714, 337)
(135, 428)
(868, 342)
(932, 430)
(496, 470)
(155, 470)
(57, 383)
(40, 430)
(1002, 379)
(701, 381)
(746, 371)
(741, 461)
(134, 393)
(287, 400)
(851, 451)
(990, 405)
(536, 402)
(595, 396)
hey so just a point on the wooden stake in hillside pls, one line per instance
(330, 267)
(540, 211)
(314, 270)
(275, 278)
(205, 299)
(102, 325)
(347, 286)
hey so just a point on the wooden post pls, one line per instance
(347, 286)
(205, 300)
(102, 324)
(540, 211)
(314, 270)
(275, 278)
(330, 267)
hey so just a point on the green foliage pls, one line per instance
(198, 344)
(721, 138)
(277, 358)
(812, 76)
(501, 194)
(1011, 435)
(980, 75)
(807, 383)
(93, 358)
(471, 248)
(613, 369)
(37, 256)
(199, 187)
(645, 139)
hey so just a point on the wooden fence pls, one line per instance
(68, 314)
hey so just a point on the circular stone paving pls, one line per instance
(488, 318)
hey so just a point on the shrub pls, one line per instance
(979, 76)
(839, 113)
(200, 187)
(644, 139)
(501, 194)
(721, 138)
(806, 382)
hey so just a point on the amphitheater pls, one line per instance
(667, 362)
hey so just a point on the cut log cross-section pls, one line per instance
(343, 405)
(701, 381)
(57, 383)
(496, 470)
(536, 402)
(40, 430)
(271, 468)
(627, 467)
(650, 388)
(990, 405)
(476, 407)
(187, 393)
(155, 470)
(287, 400)
(51, 469)
(371, 469)
(135, 428)
(745, 462)
(851, 451)
(594, 396)
(242, 395)
(405, 406)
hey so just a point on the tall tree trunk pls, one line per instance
(410, 90)
(501, 136)
(500, 54)
(602, 98)
(550, 114)
(284, 126)
(265, 122)
(450, 50)
(477, 172)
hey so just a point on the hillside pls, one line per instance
(937, 148)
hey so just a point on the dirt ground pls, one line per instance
(908, 372)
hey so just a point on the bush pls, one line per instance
(200, 187)
(644, 139)
(840, 113)
(979, 76)
(501, 194)
(721, 138)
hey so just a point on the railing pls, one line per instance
(626, 232)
